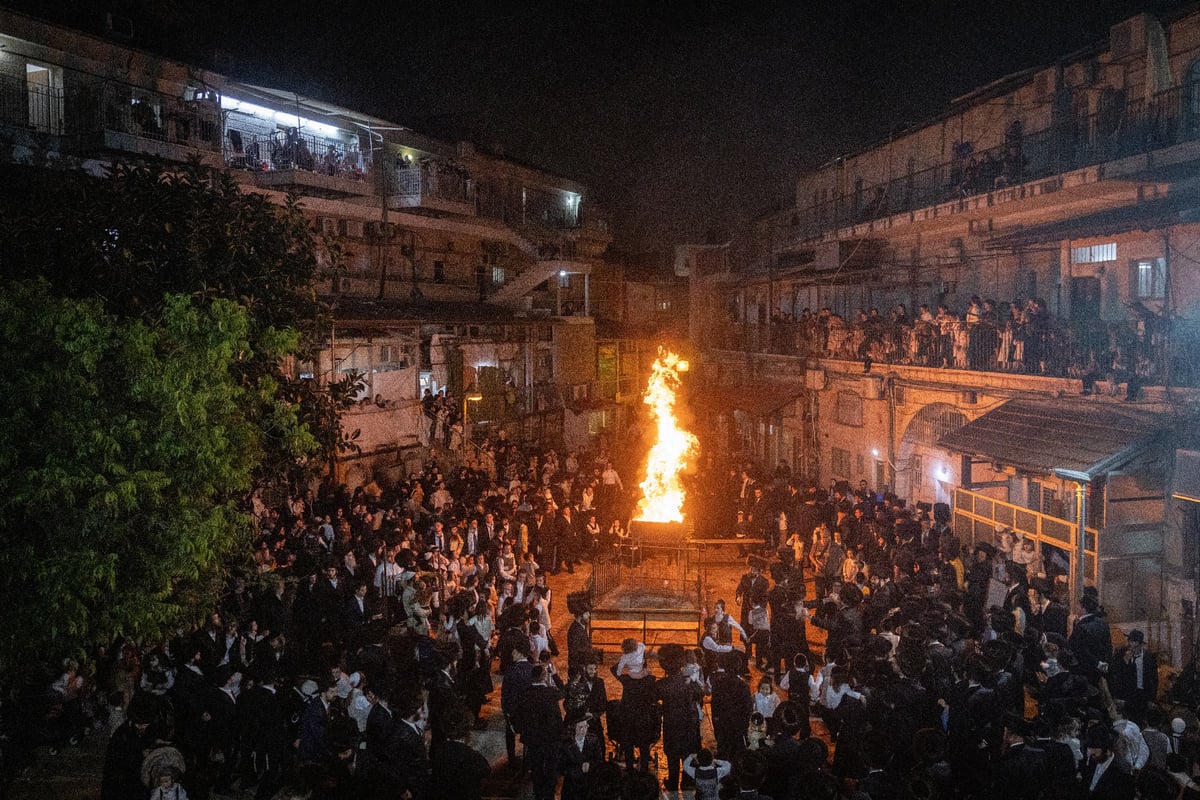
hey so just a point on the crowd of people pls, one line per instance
(1020, 336)
(357, 655)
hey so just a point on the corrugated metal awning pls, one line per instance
(1037, 436)
(1149, 215)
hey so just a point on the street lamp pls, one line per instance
(468, 397)
(1081, 480)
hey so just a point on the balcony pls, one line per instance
(1133, 128)
(114, 116)
(296, 161)
(432, 186)
(132, 120)
(1147, 352)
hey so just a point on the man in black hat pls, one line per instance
(751, 589)
(579, 754)
(1105, 777)
(1091, 641)
(539, 721)
(1133, 676)
(1045, 612)
(1021, 771)
(579, 641)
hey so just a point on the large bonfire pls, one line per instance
(662, 492)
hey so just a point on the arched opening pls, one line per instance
(924, 471)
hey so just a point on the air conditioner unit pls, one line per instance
(968, 397)
(1127, 39)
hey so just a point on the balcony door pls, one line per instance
(1085, 298)
(44, 86)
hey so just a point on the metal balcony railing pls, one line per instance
(32, 106)
(292, 149)
(1117, 130)
(433, 179)
(150, 115)
(1117, 352)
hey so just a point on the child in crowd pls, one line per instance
(766, 701)
(633, 656)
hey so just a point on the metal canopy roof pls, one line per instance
(1040, 437)
(1150, 215)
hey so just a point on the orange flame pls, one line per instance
(662, 493)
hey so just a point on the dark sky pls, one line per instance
(680, 116)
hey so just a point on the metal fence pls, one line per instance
(1120, 128)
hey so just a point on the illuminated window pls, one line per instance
(1150, 278)
(1094, 254)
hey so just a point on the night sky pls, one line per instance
(683, 117)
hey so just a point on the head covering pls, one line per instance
(1136, 636)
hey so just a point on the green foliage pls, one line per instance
(123, 451)
(148, 319)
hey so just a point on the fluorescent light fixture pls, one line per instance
(279, 117)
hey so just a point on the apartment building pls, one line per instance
(463, 271)
(1054, 215)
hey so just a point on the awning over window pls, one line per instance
(757, 398)
(1043, 436)
(1150, 215)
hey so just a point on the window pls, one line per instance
(439, 272)
(839, 462)
(1149, 279)
(916, 474)
(849, 409)
(498, 276)
(1094, 254)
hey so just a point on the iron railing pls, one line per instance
(1113, 351)
(429, 178)
(293, 149)
(1117, 130)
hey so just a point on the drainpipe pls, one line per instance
(1081, 480)
(891, 433)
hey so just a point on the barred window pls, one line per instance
(849, 409)
(1094, 254)
(840, 462)
(1149, 279)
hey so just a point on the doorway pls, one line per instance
(1085, 299)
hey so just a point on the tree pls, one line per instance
(148, 318)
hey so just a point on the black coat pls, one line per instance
(678, 696)
(1114, 784)
(539, 719)
(637, 721)
(123, 764)
(458, 771)
(406, 763)
(732, 705)
(1091, 643)
(577, 784)
(579, 644)
(264, 722)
